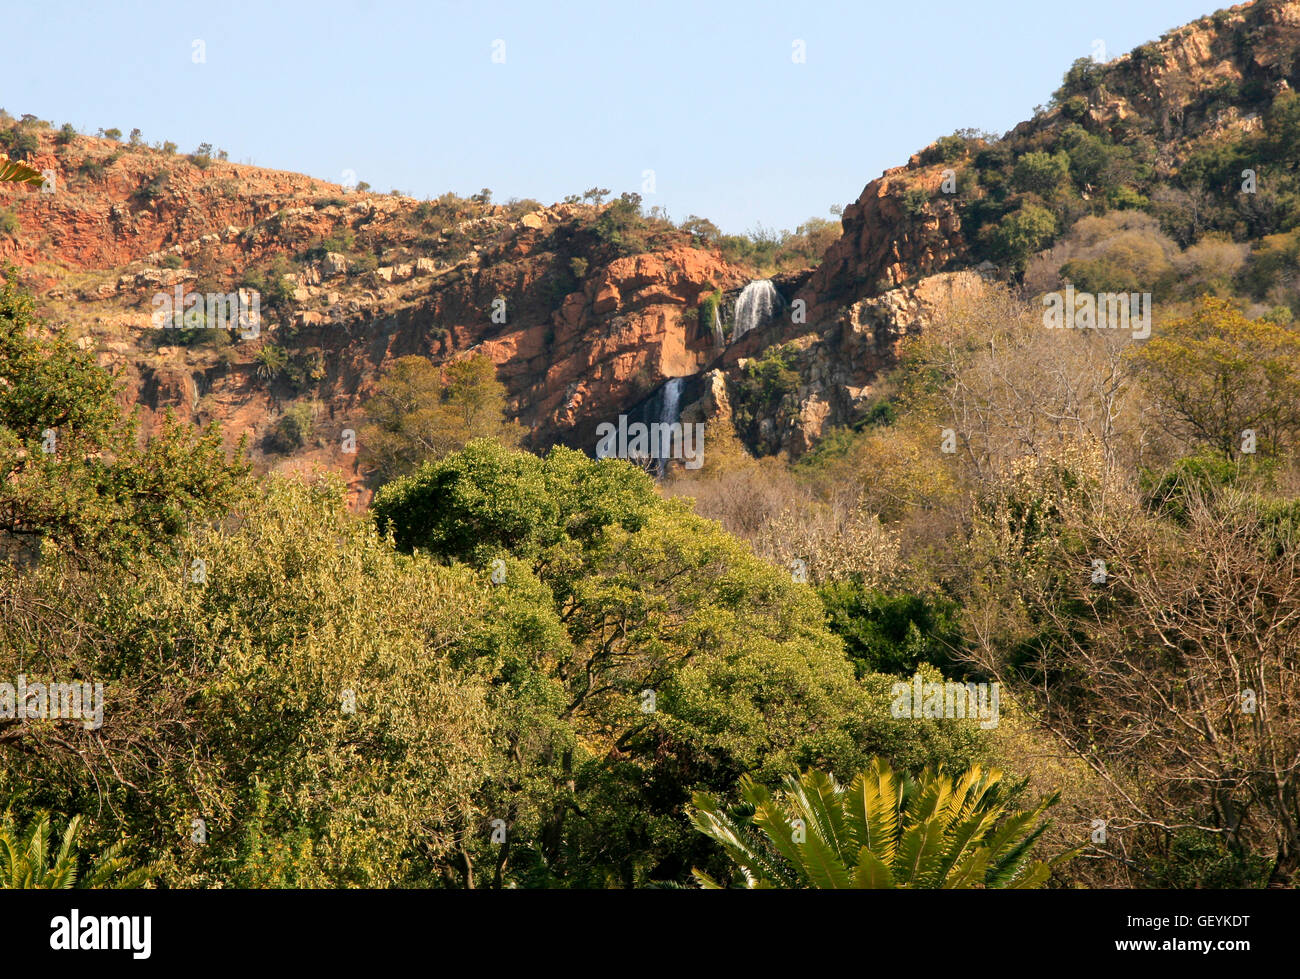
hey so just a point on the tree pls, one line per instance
(1041, 173)
(422, 411)
(704, 231)
(1018, 235)
(882, 831)
(284, 678)
(1171, 675)
(25, 859)
(641, 654)
(73, 473)
(1214, 375)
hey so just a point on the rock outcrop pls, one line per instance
(581, 327)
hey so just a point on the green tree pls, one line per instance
(882, 831)
(640, 654)
(1041, 173)
(285, 677)
(73, 473)
(886, 633)
(1020, 234)
(422, 411)
(293, 428)
(1214, 375)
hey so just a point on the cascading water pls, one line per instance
(670, 410)
(719, 338)
(757, 303)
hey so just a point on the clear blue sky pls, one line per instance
(705, 94)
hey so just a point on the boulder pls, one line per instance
(332, 265)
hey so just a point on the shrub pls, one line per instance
(1019, 234)
(886, 633)
(292, 429)
(20, 143)
(881, 831)
(153, 188)
(946, 149)
(271, 362)
(1082, 75)
(767, 382)
(1041, 173)
(915, 200)
(1075, 107)
(621, 225)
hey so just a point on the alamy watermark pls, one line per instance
(240, 310)
(659, 441)
(947, 700)
(76, 701)
(1098, 311)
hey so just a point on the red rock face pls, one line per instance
(572, 350)
(884, 245)
(579, 334)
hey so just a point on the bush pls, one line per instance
(1041, 173)
(153, 188)
(271, 362)
(1075, 107)
(1020, 234)
(9, 223)
(1082, 75)
(767, 382)
(622, 227)
(886, 633)
(915, 200)
(292, 429)
(20, 143)
(946, 149)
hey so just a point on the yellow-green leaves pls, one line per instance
(14, 171)
(882, 831)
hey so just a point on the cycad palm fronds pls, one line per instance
(881, 831)
(13, 171)
(25, 860)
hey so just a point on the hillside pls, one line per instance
(603, 304)
(999, 503)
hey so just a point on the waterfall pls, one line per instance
(756, 305)
(719, 339)
(670, 411)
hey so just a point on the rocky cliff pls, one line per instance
(585, 319)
